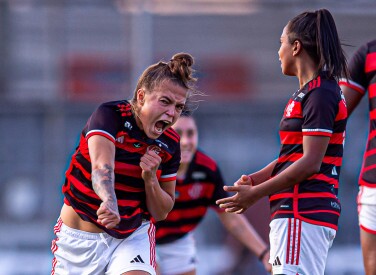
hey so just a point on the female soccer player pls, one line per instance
(122, 175)
(199, 185)
(362, 69)
(302, 184)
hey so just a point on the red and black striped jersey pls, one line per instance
(201, 187)
(362, 67)
(318, 109)
(115, 121)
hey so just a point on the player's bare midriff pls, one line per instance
(72, 219)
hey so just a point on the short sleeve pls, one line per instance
(319, 112)
(104, 121)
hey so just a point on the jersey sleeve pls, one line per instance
(357, 69)
(171, 167)
(319, 113)
(104, 121)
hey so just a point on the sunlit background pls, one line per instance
(61, 58)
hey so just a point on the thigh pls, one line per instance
(135, 254)
(178, 257)
(77, 252)
(297, 247)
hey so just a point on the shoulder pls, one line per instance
(121, 107)
(206, 161)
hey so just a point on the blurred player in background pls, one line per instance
(362, 69)
(122, 175)
(199, 185)
(302, 184)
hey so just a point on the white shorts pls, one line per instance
(78, 252)
(177, 257)
(297, 247)
(367, 209)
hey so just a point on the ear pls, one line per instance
(141, 96)
(296, 47)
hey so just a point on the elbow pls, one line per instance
(160, 217)
(312, 169)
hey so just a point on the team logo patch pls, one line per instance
(137, 145)
(154, 148)
(195, 191)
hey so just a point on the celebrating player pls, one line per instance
(122, 175)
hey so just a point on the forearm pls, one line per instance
(103, 182)
(295, 173)
(158, 201)
(244, 232)
(263, 174)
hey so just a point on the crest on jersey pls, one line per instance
(195, 191)
(154, 148)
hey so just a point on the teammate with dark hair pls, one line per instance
(122, 175)
(302, 184)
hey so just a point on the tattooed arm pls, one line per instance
(102, 155)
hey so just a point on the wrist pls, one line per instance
(262, 254)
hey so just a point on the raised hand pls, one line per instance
(108, 214)
(150, 162)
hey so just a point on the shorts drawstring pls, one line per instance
(104, 240)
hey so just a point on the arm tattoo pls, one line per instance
(103, 182)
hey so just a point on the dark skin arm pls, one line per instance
(314, 148)
(352, 98)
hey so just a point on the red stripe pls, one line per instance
(316, 133)
(365, 183)
(82, 188)
(353, 87)
(172, 178)
(342, 111)
(370, 167)
(326, 179)
(372, 90)
(293, 243)
(288, 241)
(204, 160)
(292, 157)
(370, 152)
(368, 230)
(172, 134)
(330, 225)
(372, 114)
(301, 196)
(78, 166)
(181, 214)
(128, 169)
(370, 62)
(336, 138)
(291, 137)
(151, 234)
(126, 188)
(320, 211)
(299, 238)
(130, 203)
(170, 231)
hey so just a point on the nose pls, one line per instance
(171, 111)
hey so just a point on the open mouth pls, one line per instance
(162, 125)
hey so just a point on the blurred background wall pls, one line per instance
(60, 59)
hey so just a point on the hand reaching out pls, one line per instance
(244, 197)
